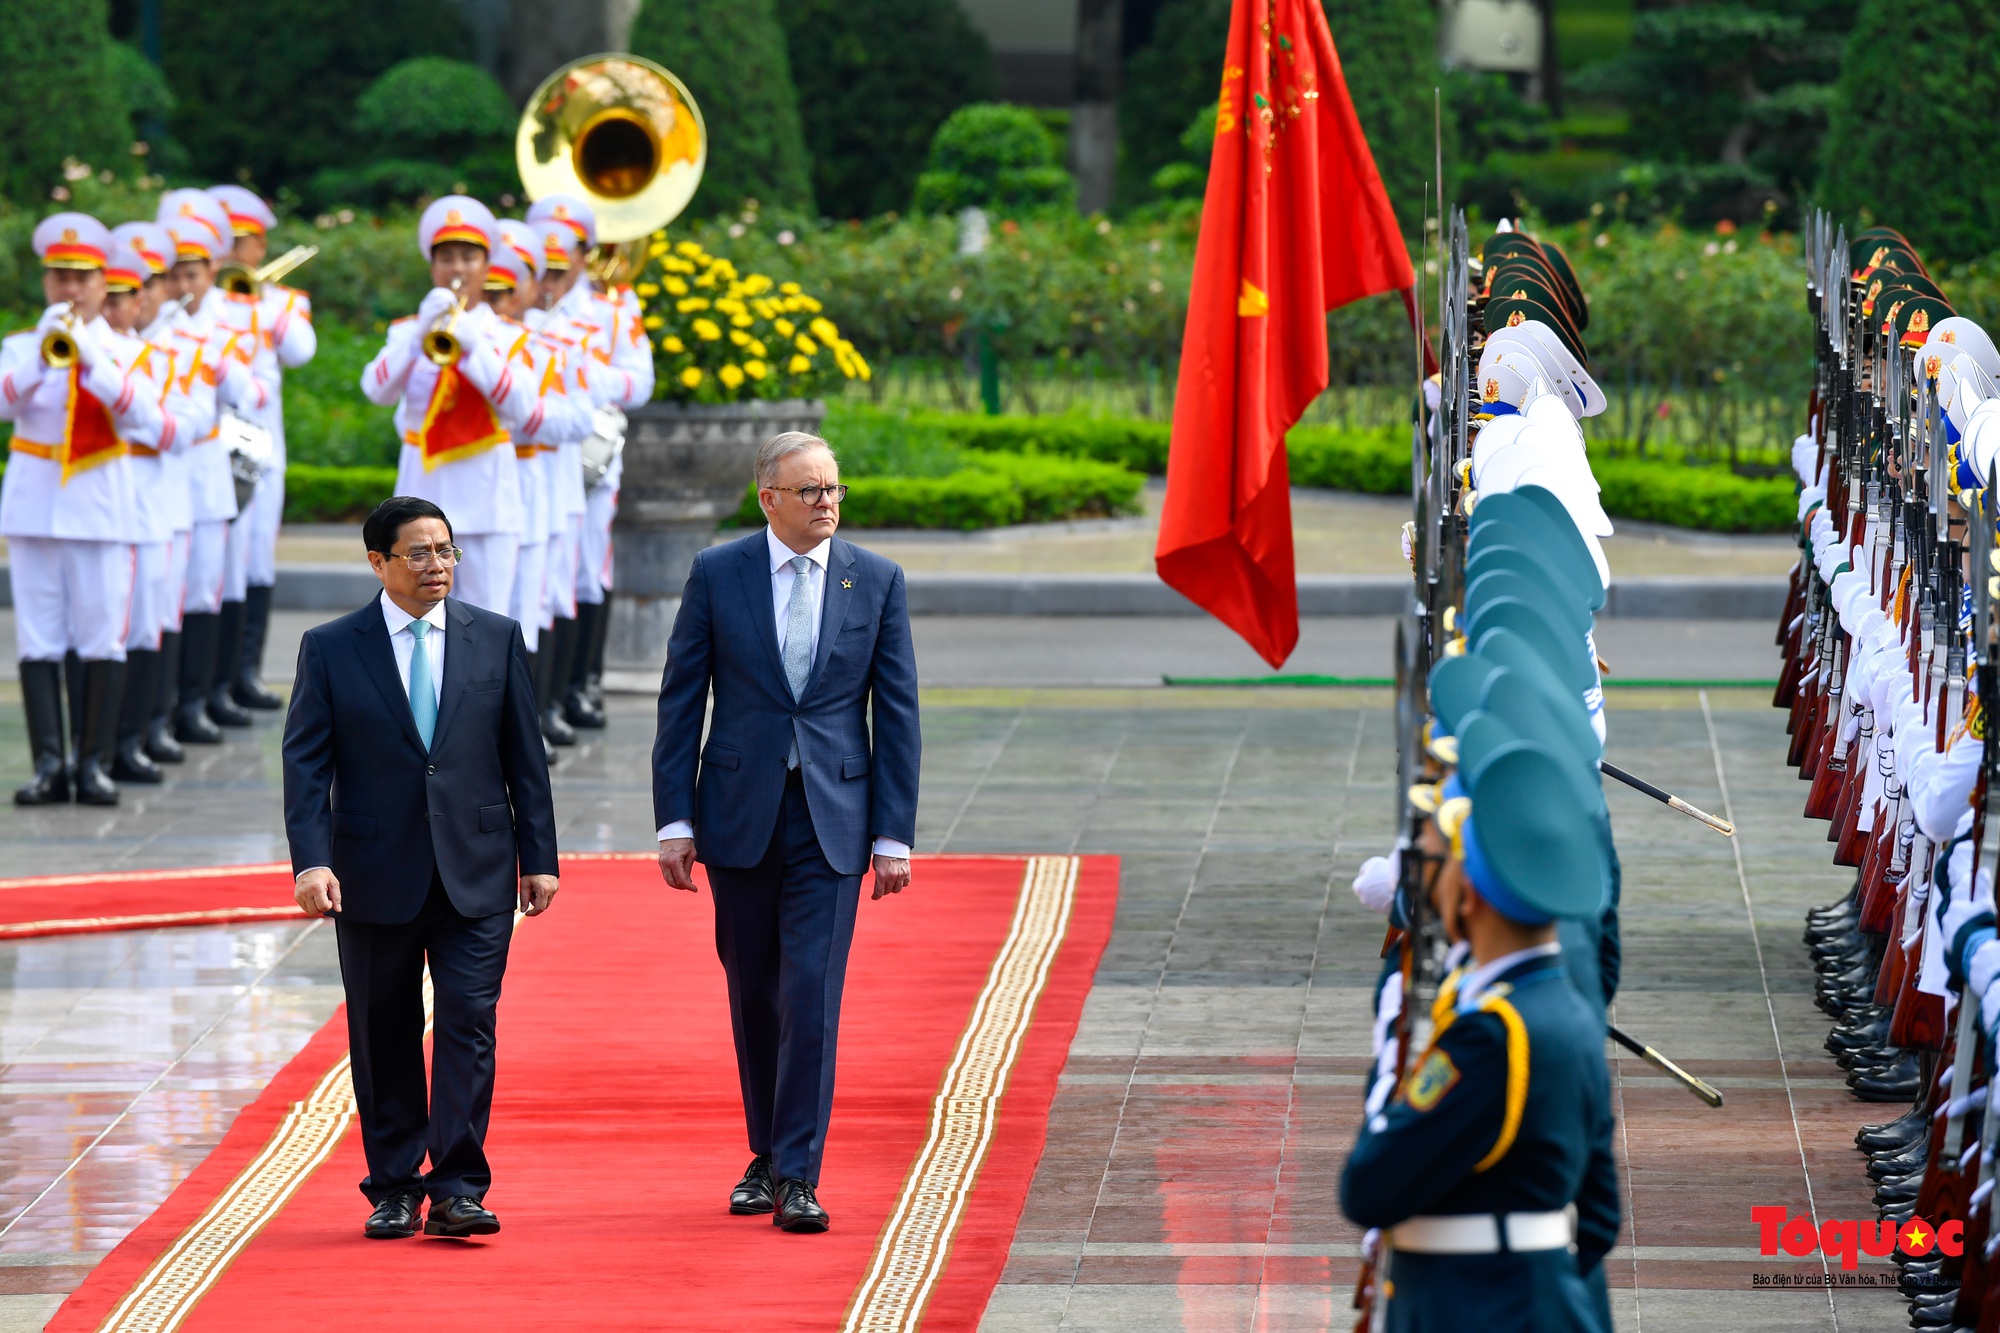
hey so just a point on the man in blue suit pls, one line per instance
(799, 636)
(417, 806)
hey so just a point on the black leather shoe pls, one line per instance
(192, 725)
(581, 712)
(460, 1216)
(161, 747)
(556, 728)
(755, 1194)
(396, 1217)
(798, 1208)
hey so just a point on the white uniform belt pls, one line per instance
(1485, 1233)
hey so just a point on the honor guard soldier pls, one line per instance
(209, 372)
(1490, 1171)
(279, 320)
(458, 404)
(621, 376)
(66, 508)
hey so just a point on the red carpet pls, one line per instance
(210, 895)
(617, 1133)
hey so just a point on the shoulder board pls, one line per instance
(191, 335)
(294, 291)
(404, 320)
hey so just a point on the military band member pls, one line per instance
(623, 378)
(459, 415)
(159, 310)
(209, 372)
(280, 321)
(562, 266)
(66, 507)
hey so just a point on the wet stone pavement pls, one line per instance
(1191, 1173)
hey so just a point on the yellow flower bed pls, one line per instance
(720, 336)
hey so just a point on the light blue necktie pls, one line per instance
(423, 694)
(798, 639)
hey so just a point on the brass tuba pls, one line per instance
(239, 279)
(623, 134)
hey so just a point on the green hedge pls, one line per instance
(335, 494)
(993, 491)
(1706, 498)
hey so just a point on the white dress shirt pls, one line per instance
(404, 643)
(782, 578)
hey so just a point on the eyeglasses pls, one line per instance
(811, 494)
(420, 560)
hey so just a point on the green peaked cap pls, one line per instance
(1536, 510)
(1534, 828)
(1498, 556)
(1482, 733)
(1455, 686)
(1506, 648)
(1559, 721)
(1497, 579)
(1565, 654)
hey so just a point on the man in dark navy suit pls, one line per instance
(800, 637)
(417, 806)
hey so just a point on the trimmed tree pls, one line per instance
(265, 89)
(56, 64)
(731, 55)
(1911, 140)
(880, 77)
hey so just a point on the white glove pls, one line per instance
(55, 317)
(436, 302)
(1985, 963)
(1375, 886)
(1409, 536)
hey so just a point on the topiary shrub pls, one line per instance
(447, 126)
(731, 55)
(880, 77)
(993, 155)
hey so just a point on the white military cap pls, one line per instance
(568, 210)
(561, 246)
(1963, 335)
(72, 240)
(1962, 386)
(198, 208)
(455, 217)
(1546, 450)
(153, 243)
(524, 241)
(505, 269)
(1551, 351)
(124, 269)
(248, 214)
(1508, 373)
(193, 240)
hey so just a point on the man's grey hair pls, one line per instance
(782, 446)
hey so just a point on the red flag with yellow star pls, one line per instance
(1295, 223)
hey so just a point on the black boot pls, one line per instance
(161, 746)
(558, 657)
(41, 696)
(248, 686)
(103, 683)
(591, 653)
(73, 687)
(581, 710)
(223, 710)
(192, 725)
(131, 763)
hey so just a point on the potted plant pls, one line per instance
(737, 358)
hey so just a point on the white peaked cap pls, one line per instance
(1558, 357)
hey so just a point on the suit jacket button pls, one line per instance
(432, 770)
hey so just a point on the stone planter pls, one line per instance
(686, 467)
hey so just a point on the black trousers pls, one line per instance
(382, 968)
(782, 930)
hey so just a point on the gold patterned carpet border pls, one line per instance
(917, 1239)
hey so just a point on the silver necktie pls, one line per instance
(798, 639)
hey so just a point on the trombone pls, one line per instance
(441, 343)
(59, 344)
(239, 279)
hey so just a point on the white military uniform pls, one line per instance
(469, 472)
(168, 489)
(209, 372)
(69, 516)
(621, 374)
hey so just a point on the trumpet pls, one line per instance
(441, 344)
(239, 279)
(59, 345)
